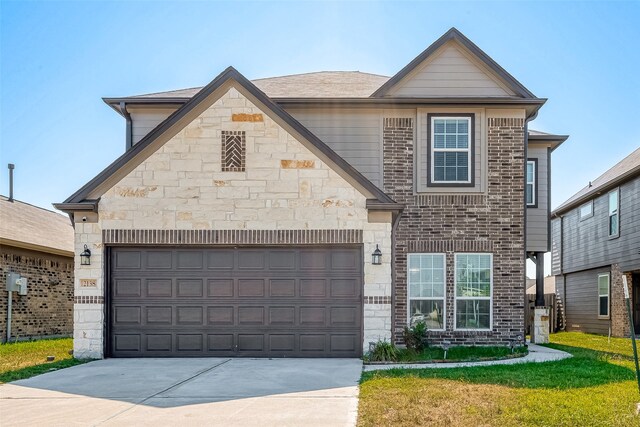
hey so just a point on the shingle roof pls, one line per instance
(626, 168)
(322, 84)
(27, 226)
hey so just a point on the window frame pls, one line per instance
(534, 184)
(617, 213)
(583, 217)
(456, 298)
(444, 285)
(608, 295)
(431, 117)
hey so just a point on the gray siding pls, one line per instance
(143, 121)
(356, 135)
(556, 247)
(581, 302)
(538, 217)
(450, 72)
(587, 244)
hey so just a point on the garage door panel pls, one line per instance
(253, 302)
(127, 288)
(189, 288)
(222, 259)
(159, 288)
(159, 260)
(189, 315)
(282, 288)
(189, 260)
(251, 287)
(220, 288)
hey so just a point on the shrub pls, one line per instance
(415, 337)
(384, 351)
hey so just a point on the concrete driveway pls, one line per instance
(225, 392)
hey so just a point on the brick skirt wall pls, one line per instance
(47, 309)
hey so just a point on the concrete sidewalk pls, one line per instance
(537, 354)
(169, 392)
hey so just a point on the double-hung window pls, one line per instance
(530, 192)
(614, 222)
(451, 150)
(426, 282)
(473, 291)
(603, 295)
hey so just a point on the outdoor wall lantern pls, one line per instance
(85, 256)
(376, 256)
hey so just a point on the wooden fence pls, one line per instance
(529, 305)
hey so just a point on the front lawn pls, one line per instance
(594, 388)
(29, 358)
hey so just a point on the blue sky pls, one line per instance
(58, 59)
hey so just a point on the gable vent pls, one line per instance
(233, 151)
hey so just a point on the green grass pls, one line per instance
(29, 358)
(458, 354)
(594, 388)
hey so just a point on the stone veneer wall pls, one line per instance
(47, 309)
(182, 187)
(444, 223)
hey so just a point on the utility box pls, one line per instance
(16, 283)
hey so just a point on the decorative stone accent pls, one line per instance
(540, 329)
(297, 164)
(377, 299)
(492, 222)
(241, 117)
(233, 151)
(47, 309)
(230, 237)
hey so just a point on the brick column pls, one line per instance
(619, 315)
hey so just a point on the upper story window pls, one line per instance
(614, 223)
(530, 191)
(586, 210)
(450, 150)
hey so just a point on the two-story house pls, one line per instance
(596, 240)
(309, 215)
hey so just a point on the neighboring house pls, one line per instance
(596, 240)
(37, 244)
(244, 218)
(549, 285)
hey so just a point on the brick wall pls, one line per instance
(489, 222)
(47, 309)
(618, 306)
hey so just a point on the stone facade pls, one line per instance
(182, 186)
(47, 309)
(490, 222)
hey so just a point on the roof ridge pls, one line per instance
(168, 91)
(319, 72)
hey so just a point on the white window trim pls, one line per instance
(617, 213)
(533, 183)
(444, 296)
(608, 295)
(581, 217)
(450, 150)
(455, 292)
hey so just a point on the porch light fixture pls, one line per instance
(85, 256)
(376, 256)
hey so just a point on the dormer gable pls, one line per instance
(453, 67)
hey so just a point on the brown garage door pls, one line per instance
(258, 302)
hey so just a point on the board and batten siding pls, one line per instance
(586, 244)
(450, 72)
(580, 292)
(355, 135)
(144, 121)
(538, 216)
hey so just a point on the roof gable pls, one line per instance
(453, 66)
(192, 109)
